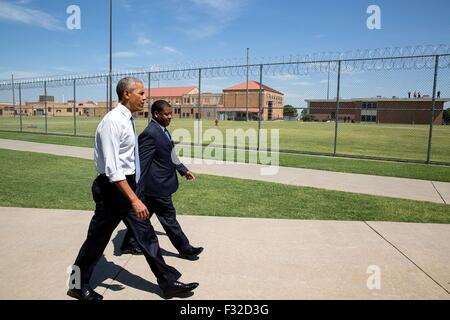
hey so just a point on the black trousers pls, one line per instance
(167, 216)
(111, 208)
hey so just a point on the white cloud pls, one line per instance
(223, 6)
(19, 13)
(302, 83)
(151, 46)
(125, 54)
(213, 16)
(201, 32)
(19, 74)
(143, 40)
(125, 4)
(170, 49)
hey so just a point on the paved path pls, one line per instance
(430, 191)
(243, 258)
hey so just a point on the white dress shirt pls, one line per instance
(115, 141)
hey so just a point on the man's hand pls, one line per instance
(189, 176)
(140, 209)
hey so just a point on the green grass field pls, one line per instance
(408, 142)
(371, 167)
(33, 180)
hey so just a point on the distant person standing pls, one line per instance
(439, 94)
(216, 121)
(419, 95)
(409, 95)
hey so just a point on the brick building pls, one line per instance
(235, 100)
(378, 110)
(184, 101)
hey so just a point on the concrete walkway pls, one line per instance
(430, 191)
(243, 258)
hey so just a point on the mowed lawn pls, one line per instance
(34, 180)
(408, 142)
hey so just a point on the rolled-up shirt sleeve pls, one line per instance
(110, 137)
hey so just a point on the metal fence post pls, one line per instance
(20, 106)
(149, 106)
(13, 93)
(45, 106)
(328, 82)
(199, 103)
(260, 103)
(109, 93)
(246, 90)
(433, 106)
(74, 108)
(337, 107)
(107, 96)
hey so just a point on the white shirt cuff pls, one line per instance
(117, 176)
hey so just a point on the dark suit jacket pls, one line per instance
(158, 170)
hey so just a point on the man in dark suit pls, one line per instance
(159, 166)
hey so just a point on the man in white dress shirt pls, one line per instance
(117, 162)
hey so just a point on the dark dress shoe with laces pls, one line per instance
(191, 254)
(178, 288)
(134, 251)
(84, 294)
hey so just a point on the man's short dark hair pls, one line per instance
(126, 84)
(159, 105)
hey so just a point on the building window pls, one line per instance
(369, 105)
(368, 118)
(192, 111)
(69, 109)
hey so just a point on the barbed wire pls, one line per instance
(397, 58)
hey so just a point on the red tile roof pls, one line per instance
(169, 92)
(252, 85)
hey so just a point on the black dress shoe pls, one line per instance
(196, 251)
(178, 288)
(191, 254)
(134, 251)
(84, 294)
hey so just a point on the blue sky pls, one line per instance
(171, 31)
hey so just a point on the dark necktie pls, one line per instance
(137, 162)
(167, 134)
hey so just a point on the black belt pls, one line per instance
(128, 177)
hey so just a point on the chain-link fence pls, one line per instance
(392, 107)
